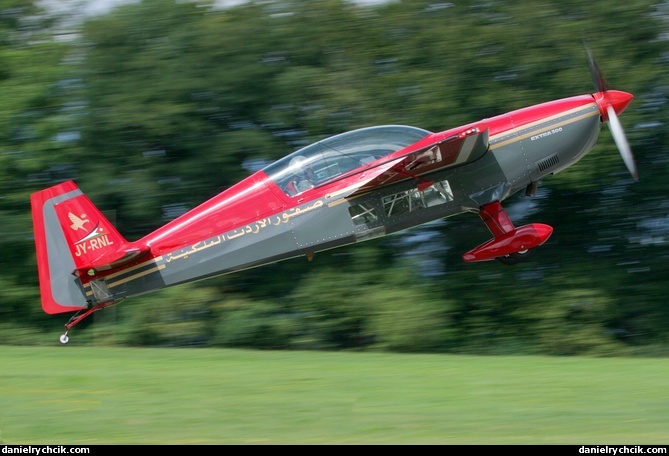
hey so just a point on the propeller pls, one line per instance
(611, 103)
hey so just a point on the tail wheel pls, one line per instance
(518, 257)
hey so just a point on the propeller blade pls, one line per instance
(595, 72)
(621, 141)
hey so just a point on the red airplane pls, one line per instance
(341, 190)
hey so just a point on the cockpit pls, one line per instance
(324, 160)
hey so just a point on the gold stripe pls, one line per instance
(128, 279)
(89, 292)
(336, 202)
(138, 275)
(137, 266)
(542, 122)
(562, 114)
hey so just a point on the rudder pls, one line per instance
(72, 239)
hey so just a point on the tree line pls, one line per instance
(158, 105)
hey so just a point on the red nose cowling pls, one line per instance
(618, 99)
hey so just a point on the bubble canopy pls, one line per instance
(336, 155)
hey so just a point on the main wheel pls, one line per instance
(515, 258)
(64, 339)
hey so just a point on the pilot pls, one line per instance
(303, 176)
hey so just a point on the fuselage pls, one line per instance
(257, 221)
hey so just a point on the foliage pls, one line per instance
(171, 317)
(254, 324)
(160, 104)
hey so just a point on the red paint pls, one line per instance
(524, 238)
(243, 203)
(37, 200)
(619, 100)
(507, 238)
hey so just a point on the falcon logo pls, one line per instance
(94, 239)
(78, 222)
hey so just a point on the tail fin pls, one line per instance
(73, 239)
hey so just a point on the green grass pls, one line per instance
(89, 395)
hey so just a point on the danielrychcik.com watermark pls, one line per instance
(38, 450)
(624, 449)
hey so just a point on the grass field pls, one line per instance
(88, 395)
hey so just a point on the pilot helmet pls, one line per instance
(297, 164)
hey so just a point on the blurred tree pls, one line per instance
(171, 317)
(254, 324)
(161, 104)
(35, 147)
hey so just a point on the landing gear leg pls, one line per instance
(80, 315)
(509, 245)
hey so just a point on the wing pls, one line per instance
(457, 149)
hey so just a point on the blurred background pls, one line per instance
(153, 106)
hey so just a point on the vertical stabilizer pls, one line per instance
(71, 237)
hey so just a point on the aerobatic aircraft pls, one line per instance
(341, 190)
